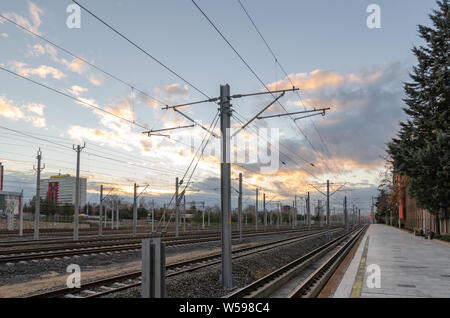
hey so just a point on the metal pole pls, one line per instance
(294, 212)
(134, 211)
(264, 211)
(37, 200)
(184, 213)
(177, 207)
(21, 215)
(279, 215)
(328, 207)
(100, 230)
(112, 214)
(78, 149)
(308, 212)
(256, 211)
(240, 207)
(117, 216)
(153, 216)
(346, 214)
(225, 173)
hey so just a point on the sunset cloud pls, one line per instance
(32, 23)
(28, 112)
(42, 71)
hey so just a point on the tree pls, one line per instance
(422, 149)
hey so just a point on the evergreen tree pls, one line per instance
(422, 149)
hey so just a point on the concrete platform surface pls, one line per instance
(408, 266)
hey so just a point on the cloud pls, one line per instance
(320, 79)
(5, 35)
(25, 112)
(42, 71)
(96, 79)
(9, 111)
(32, 23)
(36, 108)
(77, 90)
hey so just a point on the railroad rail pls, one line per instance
(89, 247)
(132, 279)
(313, 284)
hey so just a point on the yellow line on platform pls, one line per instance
(357, 285)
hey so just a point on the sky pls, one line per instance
(325, 47)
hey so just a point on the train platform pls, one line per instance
(393, 263)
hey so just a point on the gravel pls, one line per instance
(205, 282)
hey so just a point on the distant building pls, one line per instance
(10, 202)
(61, 189)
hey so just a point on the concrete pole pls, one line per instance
(117, 216)
(318, 213)
(294, 213)
(134, 210)
(308, 211)
(264, 211)
(164, 215)
(153, 216)
(256, 211)
(184, 213)
(328, 207)
(346, 214)
(100, 230)
(279, 215)
(240, 207)
(37, 200)
(112, 214)
(76, 215)
(225, 173)
(177, 207)
(359, 216)
(21, 214)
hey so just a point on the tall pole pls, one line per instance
(100, 230)
(308, 211)
(318, 213)
(346, 214)
(225, 174)
(117, 215)
(153, 216)
(37, 202)
(240, 207)
(177, 207)
(113, 203)
(294, 213)
(21, 214)
(264, 211)
(184, 213)
(328, 207)
(134, 210)
(256, 211)
(359, 216)
(76, 216)
(279, 215)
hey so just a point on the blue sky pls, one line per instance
(325, 46)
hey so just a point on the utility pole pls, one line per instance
(264, 211)
(256, 211)
(328, 208)
(37, 201)
(117, 215)
(279, 215)
(21, 215)
(318, 213)
(177, 207)
(225, 173)
(134, 210)
(184, 213)
(113, 202)
(308, 211)
(100, 230)
(346, 214)
(78, 149)
(359, 216)
(153, 216)
(240, 207)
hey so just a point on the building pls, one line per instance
(10, 202)
(414, 218)
(61, 189)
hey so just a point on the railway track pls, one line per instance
(117, 283)
(271, 284)
(71, 248)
